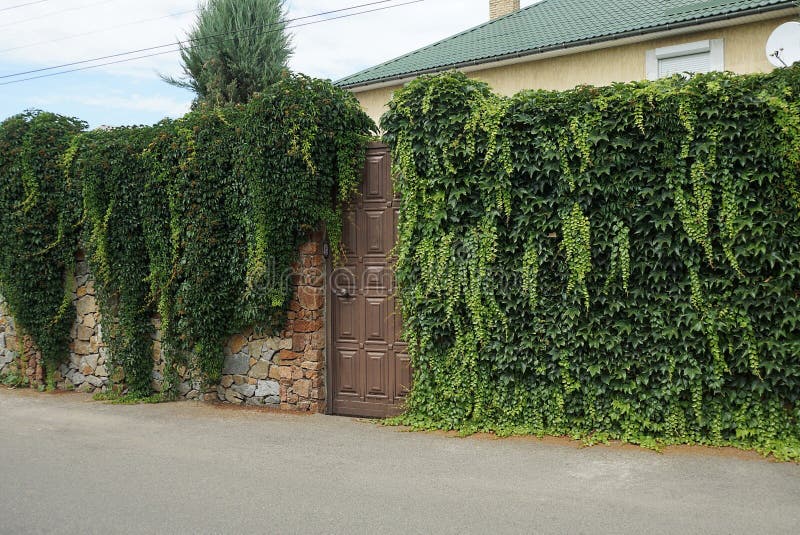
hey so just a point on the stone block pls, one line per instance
(272, 400)
(236, 365)
(236, 344)
(246, 390)
(299, 342)
(77, 378)
(90, 360)
(272, 344)
(318, 340)
(286, 372)
(268, 388)
(314, 355)
(226, 381)
(86, 305)
(239, 379)
(311, 299)
(306, 326)
(255, 348)
(89, 321)
(275, 372)
(297, 372)
(84, 333)
(286, 356)
(232, 396)
(260, 370)
(95, 381)
(316, 366)
(303, 388)
(83, 347)
(156, 351)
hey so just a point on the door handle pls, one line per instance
(342, 293)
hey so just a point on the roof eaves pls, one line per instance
(689, 21)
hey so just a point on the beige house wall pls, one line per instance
(744, 53)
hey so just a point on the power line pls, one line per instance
(189, 41)
(125, 60)
(76, 8)
(101, 30)
(23, 5)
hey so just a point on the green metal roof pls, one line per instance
(554, 24)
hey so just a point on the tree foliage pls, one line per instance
(616, 262)
(235, 49)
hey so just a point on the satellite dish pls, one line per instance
(783, 46)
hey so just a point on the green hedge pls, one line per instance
(197, 219)
(618, 262)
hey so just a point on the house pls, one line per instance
(558, 44)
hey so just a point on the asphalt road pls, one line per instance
(71, 465)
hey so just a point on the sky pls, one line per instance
(48, 33)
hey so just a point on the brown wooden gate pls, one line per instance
(370, 371)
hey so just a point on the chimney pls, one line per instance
(500, 8)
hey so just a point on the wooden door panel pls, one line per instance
(376, 320)
(348, 376)
(370, 369)
(375, 233)
(377, 279)
(377, 180)
(377, 375)
(347, 320)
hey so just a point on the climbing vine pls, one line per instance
(639, 278)
(39, 216)
(195, 221)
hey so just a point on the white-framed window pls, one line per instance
(697, 57)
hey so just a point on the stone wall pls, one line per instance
(285, 371)
(86, 370)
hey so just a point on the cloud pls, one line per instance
(154, 104)
(43, 35)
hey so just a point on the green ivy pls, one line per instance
(109, 167)
(39, 216)
(196, 220)
(640, 281)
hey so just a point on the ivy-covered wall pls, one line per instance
(196, 233)
(616, 262)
